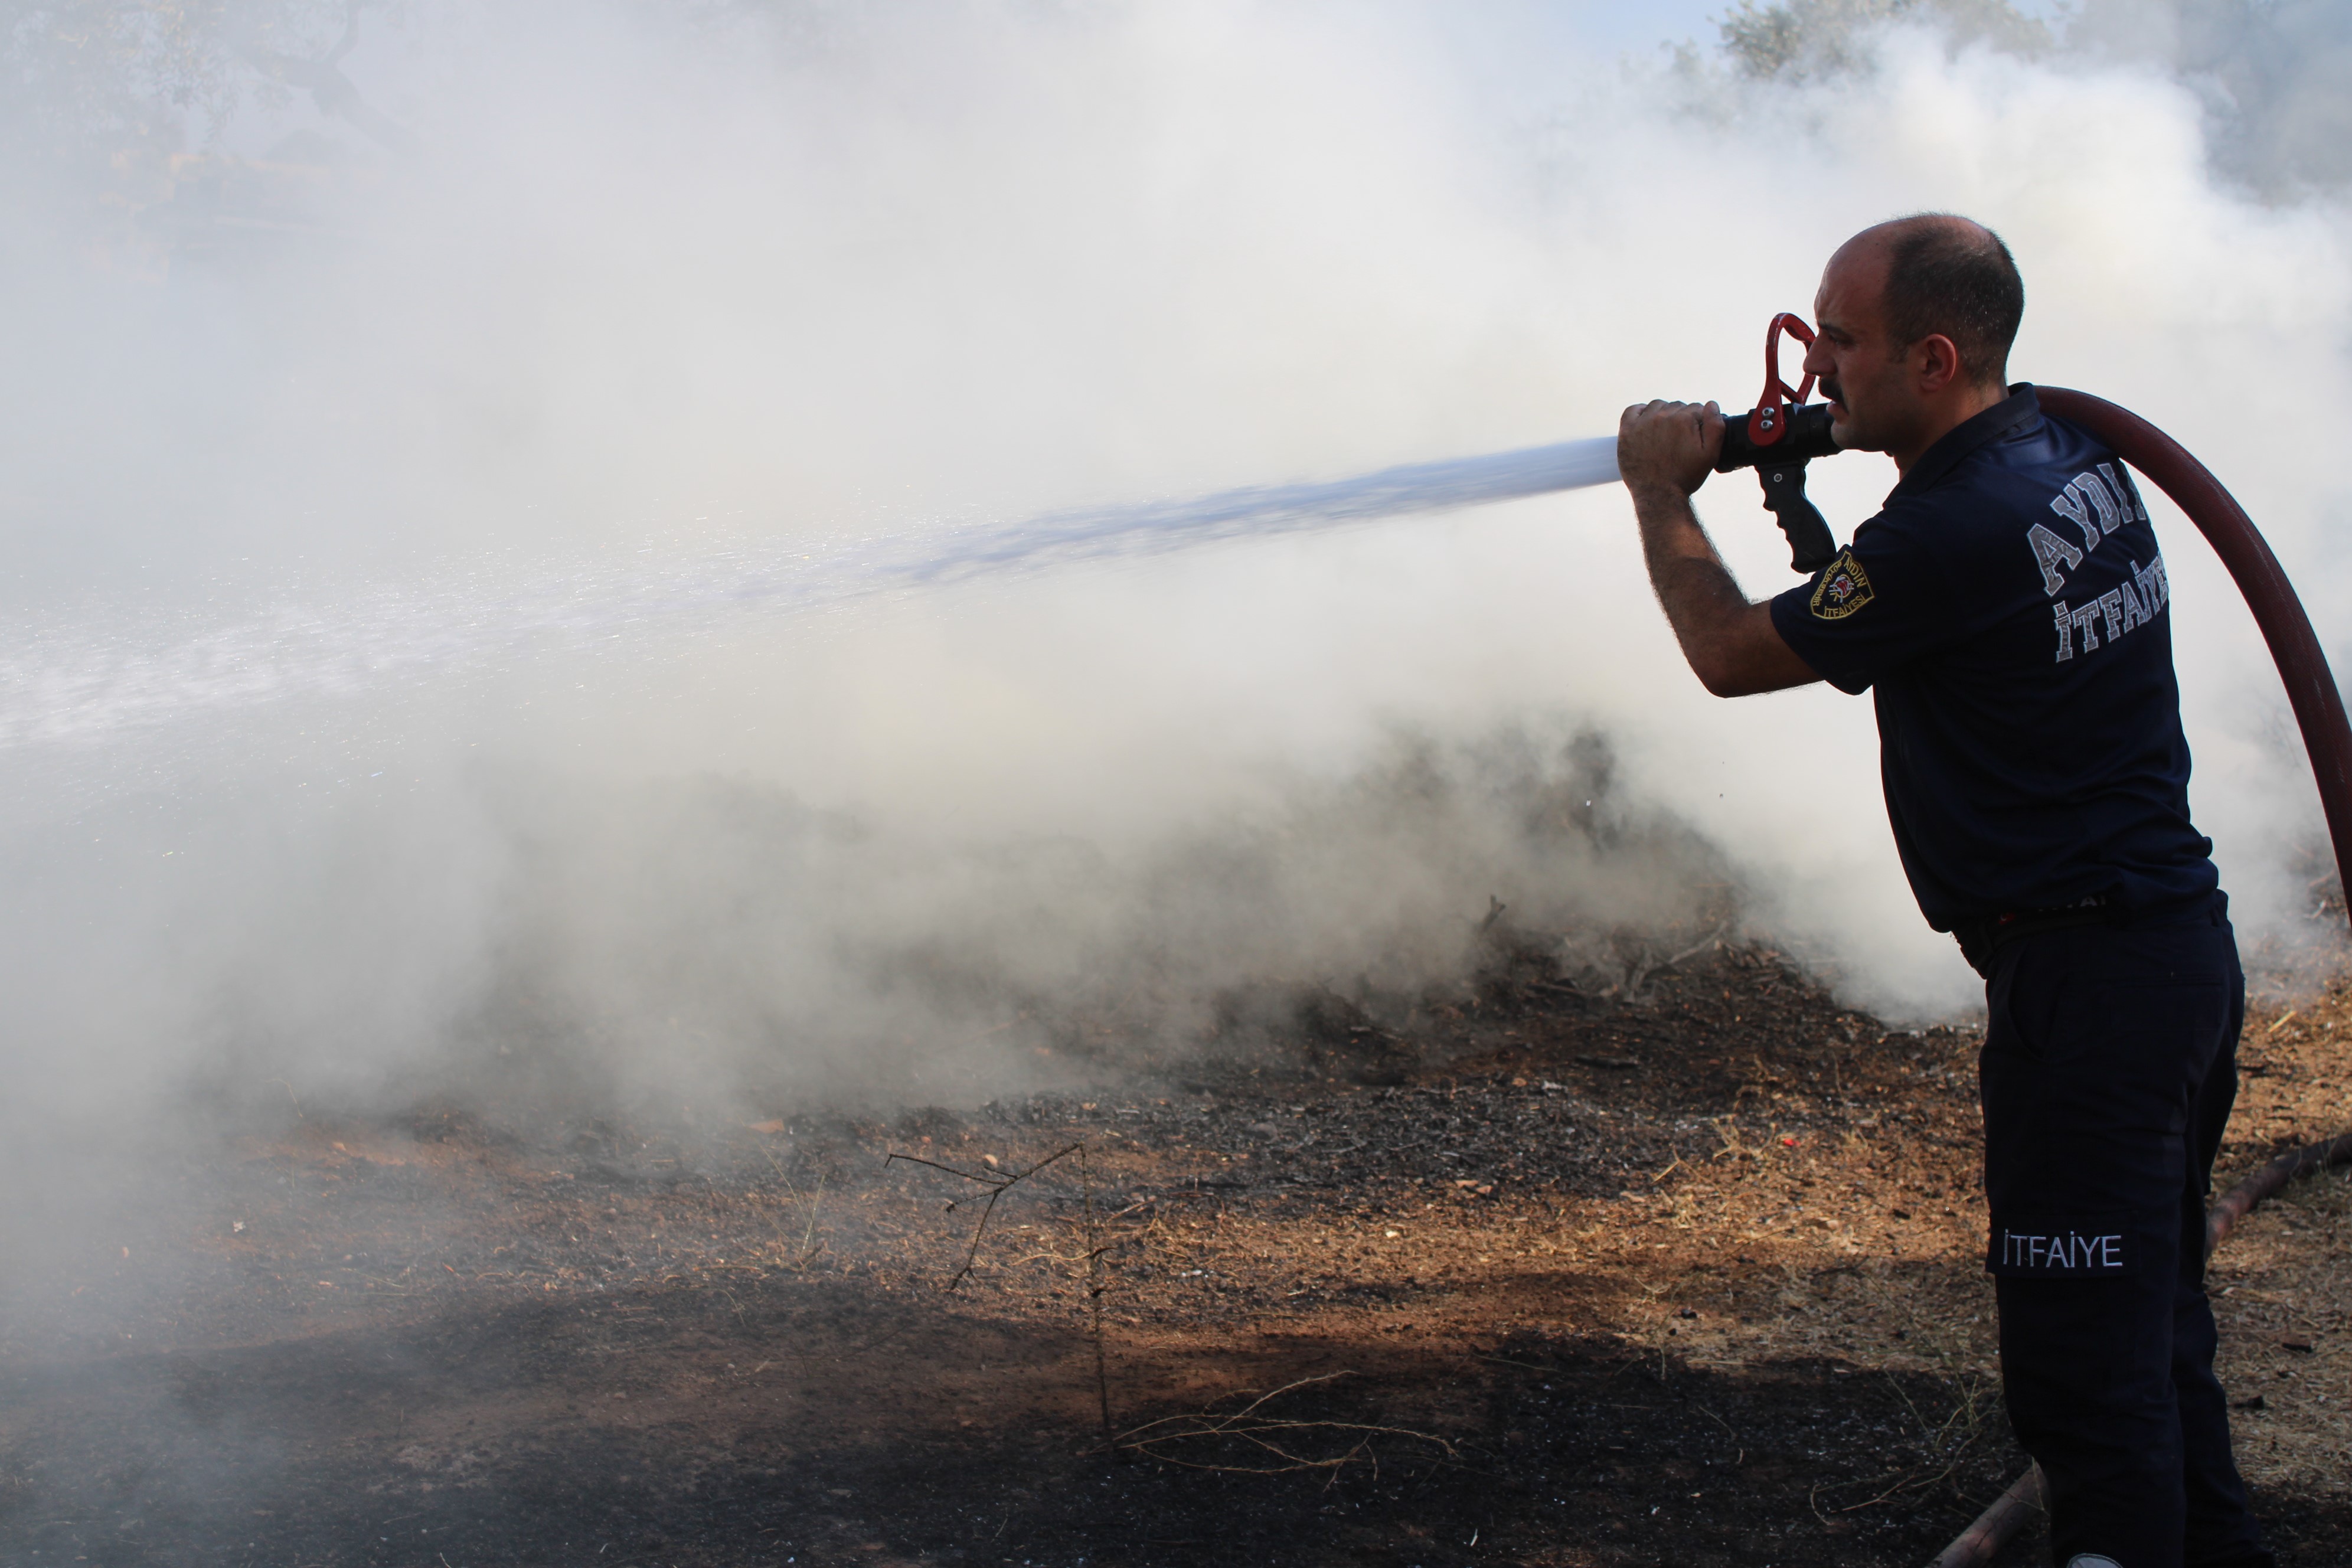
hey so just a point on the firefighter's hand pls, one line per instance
(1668, 445)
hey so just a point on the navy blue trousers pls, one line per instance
(2108, 1070)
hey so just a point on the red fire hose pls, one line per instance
(2310, 687)
(2326, 736)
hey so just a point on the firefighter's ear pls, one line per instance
(1935, 363)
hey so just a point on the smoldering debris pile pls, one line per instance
(719, 942)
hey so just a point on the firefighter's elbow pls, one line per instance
(1719, 678)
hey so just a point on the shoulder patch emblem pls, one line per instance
(1844, 588)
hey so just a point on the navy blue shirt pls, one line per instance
(2011, 613)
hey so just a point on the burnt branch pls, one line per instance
(997, 1182)
(1281, 1442)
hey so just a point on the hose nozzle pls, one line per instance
(1777, 439)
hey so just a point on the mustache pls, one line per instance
(1831, 390)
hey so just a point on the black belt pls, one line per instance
(1981, 939)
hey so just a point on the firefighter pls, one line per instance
(2009, 613)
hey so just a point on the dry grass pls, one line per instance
(2283, 1282)
(1805, 1199)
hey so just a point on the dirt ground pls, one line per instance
(1687, 1274)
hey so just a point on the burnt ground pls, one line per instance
(1686, 1274)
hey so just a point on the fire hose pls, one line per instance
(1783, 432)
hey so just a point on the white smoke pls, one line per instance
(651, 293)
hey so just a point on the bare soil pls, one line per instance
(1686, 1274)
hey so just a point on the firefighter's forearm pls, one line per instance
(1730, 643)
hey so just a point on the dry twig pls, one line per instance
(810, 1246)
(1278, 1438)
(997, 1182)
(1094, 1300)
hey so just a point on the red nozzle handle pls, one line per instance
(1769, 422)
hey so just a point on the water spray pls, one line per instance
(64, 690)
